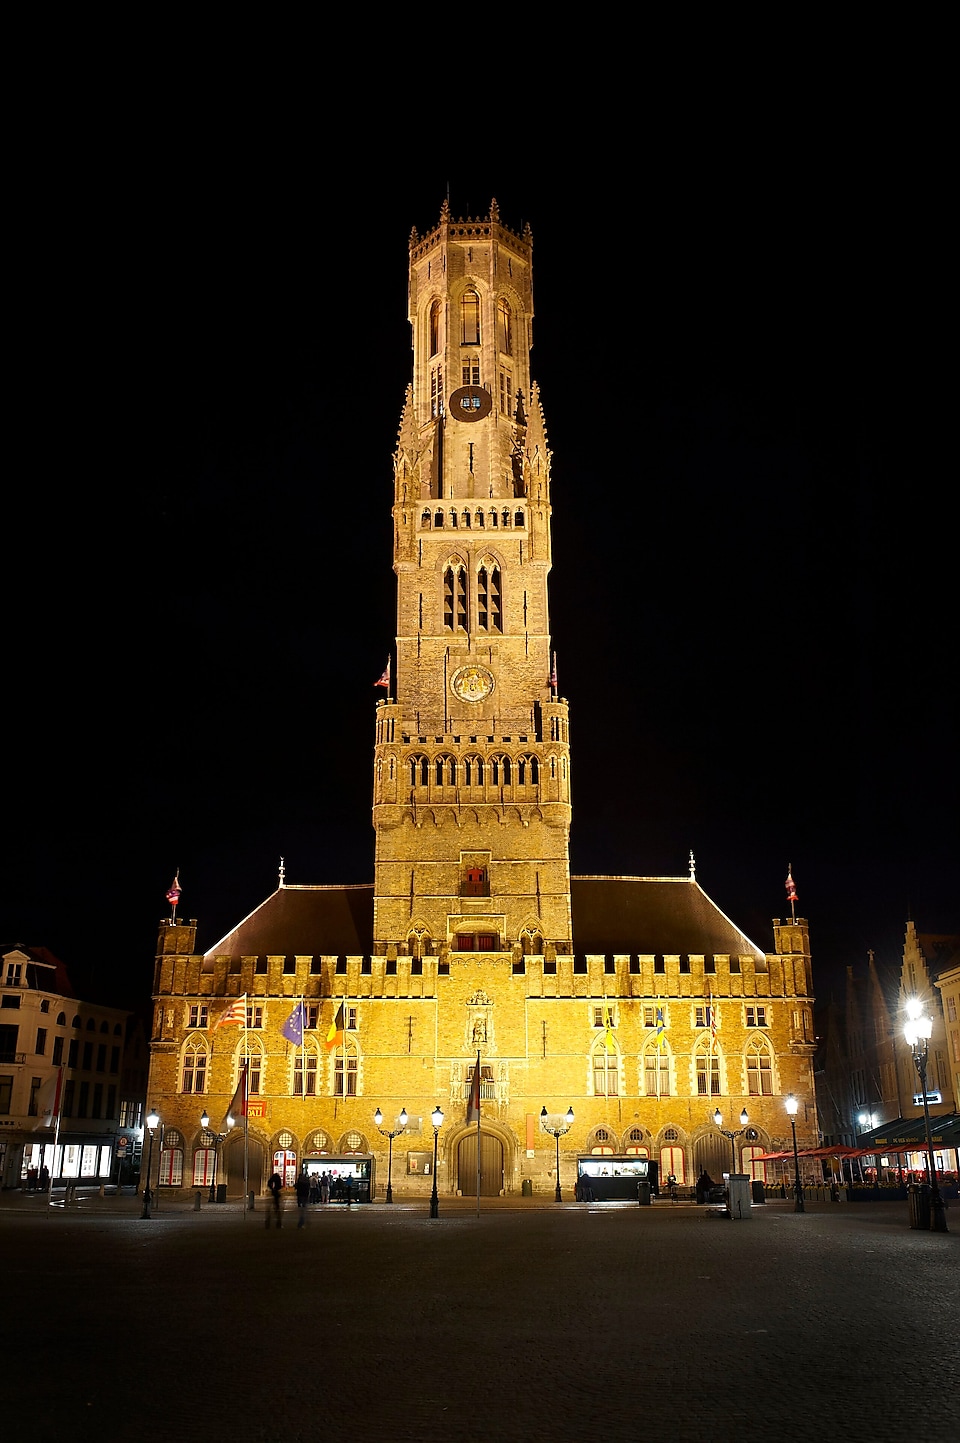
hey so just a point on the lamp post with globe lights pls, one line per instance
(391, 1134)
(732, 1134)
(556, 1131)
(218, 1138)
(791, 1104)
(917, 1030)
(436, 1117)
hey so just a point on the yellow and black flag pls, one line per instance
(335, 1035)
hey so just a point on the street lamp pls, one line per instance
(436, 1117)
(791, 1104)
(402, 1120)
(917, 1030)
(557, 1131)
(218, 1138)
(153, 1122)
(733, 1135)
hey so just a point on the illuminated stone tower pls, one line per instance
(472, 771)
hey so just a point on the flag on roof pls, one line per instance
(473, 1103)
(660, 1031)
(792, 897)
(385, 679)
(292, 1029)
(335, 1035)
(236, 1014)
(173, 891)
(608, 1041)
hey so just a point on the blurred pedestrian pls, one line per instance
(276, 1188)
(303, 1197)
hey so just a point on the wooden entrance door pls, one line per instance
(712, 1153)
(491, 1165)
(234, 1167)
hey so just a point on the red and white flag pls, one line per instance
(237, 1106)
(792, 897)
(236, 1014)
(173, 891)
(385, 679)
(552, 682)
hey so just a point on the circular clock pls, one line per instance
(470, 403)
(472, 683)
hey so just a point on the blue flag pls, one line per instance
(292, 1029)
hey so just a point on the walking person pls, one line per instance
(276, 1188)
(303, 1197)
(324, 1187)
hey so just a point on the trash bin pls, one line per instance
(643, 1194)
(221, 1192)
(526, 1188)
(918, 1199)
(757, 1189)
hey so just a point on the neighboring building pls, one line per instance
(948, 985)
(856, 1071)
(927, 957)
(52, 1047)
(635, 1000)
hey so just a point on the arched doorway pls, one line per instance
(712, 1153)
(234, 1167)
(491, 1165)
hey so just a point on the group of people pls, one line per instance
(311, 1188)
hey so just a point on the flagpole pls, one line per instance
(246, 1110)
(479, 1095)
(56, 1138)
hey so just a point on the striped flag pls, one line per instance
(235, 1015)
(714, 1019)
(335, 1035)
(385, 679)
(173, 891)
(552, 681)
(792, 897)
(237, 1106)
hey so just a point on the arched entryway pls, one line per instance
(711, 1152)
(234, 1167)
(491, 1165)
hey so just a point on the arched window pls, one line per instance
(489, 607)
(504, 327)
(170, 1170)
(426, 519)
(470, 318)
(602, 1141)
(707, 1068)
(656, 1071)
(193, 1075)
(435, 314)
(251, 1055)
(634, 1145)
(505, 778)
(204, 1160)
(317, 1141)
(438, 519)
(606, 1071)
(305, 1060)
(671, 1157)
(455, 596)
(759, 1068)
(345, 1071)
(750, 1164)
(61, 1019)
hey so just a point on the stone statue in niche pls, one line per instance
(479, 1031)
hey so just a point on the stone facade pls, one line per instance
(633, 1000)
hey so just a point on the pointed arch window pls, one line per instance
(436, 390)
(305, 1065)
(194, 1073)
(656, 1071)
(470, 318)
(345, 1072)
(252, 1057)
(455, 597)
(606, 1071)
(504, 327)
(634, 1144)
(489, 607)
(708, 1070)
(759, 1068)
(435, 313)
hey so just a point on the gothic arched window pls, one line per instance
(489, 603)
(656, 1071)
(759, 1069)
(435, 314)
(470, 318)
(193, 1076)
(455, 597)
(708, 1069)
(305, 1062)
(606, 1071)
(504, 327)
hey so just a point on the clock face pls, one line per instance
(470, 403)
(472, 683)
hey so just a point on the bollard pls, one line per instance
(252, 1196)
(196, 1201)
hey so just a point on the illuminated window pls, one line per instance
(759, 1070)
(470, 371)
(434, 327)
(606, 1072)
(504, 327)
(489, 605)
(255, 1014)
(194, 1074)
(634, 1145)
(305, 1073)
(470, 318)
(602, 1141)
(198, 1015)
(656, 1071)
(455, 597)
(436, 400)
(756, 1016)
(345, 1067)
(708, 1070)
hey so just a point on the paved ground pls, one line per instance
(535, 1322)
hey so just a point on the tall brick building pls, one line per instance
(633, 1000)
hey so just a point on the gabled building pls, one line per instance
(633, 1000)
(60, 1061)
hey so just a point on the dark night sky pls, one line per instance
(753, 595)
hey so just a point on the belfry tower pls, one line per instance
(472, 773)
